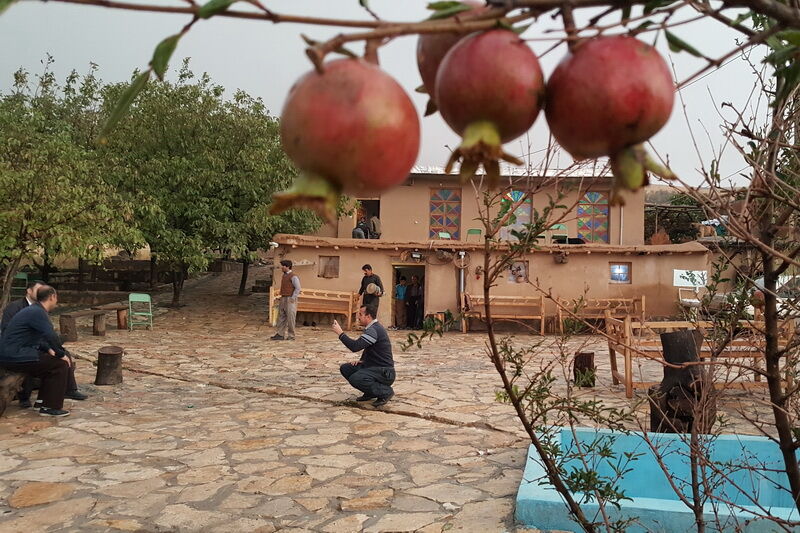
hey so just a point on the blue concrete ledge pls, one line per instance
(653, 500)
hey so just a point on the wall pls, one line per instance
(405, 210)
(651, 276)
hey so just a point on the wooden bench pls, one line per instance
(635, 340)
(10, 383)
(503, 308)
(319, 301)
(69, 328)
(122, 313)
(595, 308)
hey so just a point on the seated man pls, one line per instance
(373, 374)
(31, 346)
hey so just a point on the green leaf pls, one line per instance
(5, 4)
(124, 103)
(438, 6)
(364, 3)
(790, 36)
(676, 44)
(450, 11)
(162, 54)
(626, 13)
(212, 7)
(782, 55)
(652, 5)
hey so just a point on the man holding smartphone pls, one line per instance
(373, 374)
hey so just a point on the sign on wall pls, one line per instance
(689, 278)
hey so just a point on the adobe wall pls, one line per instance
(405, 212)
(652, 276)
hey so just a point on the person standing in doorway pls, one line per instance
(370, 296)
(287, 305)
(413, 299)
(375, 227)
(400, 303)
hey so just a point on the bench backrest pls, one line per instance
(477, 302)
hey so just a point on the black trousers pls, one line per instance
(412, 310)
(53, 373)
(375, 381)
(28, 385)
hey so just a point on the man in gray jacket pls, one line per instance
(373, 374)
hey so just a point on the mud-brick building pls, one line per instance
(430, 227)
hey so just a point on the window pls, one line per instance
(593, 217)
(620, 272)
(522, 215)
(328, 266)
(445, 213)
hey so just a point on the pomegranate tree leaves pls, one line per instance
(442, 10)
(211, 8)
(5, 4)
(124, 103)
(676, 44)
(162, 54)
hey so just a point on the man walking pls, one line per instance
(369, 297)
(373, 374)
(31, 346)
(287, 305)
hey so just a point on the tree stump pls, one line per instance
(109, 366)
(122, 318)
(10, 384)
(684, 400)
(583, 369)
(99, 325)
(69, 328)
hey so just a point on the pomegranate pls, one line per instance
(350, 129)
(432, 47)
(606, 97)
(489, 90)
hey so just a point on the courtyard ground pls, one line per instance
(216, 428)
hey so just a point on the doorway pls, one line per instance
(367, 209)
(408, 313)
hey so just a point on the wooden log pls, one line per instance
(69, 328)
(583, 369)
(10, 383)
(99, 325)
(109, 366)
(122, 318)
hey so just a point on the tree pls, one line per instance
(200, 172)
(54, 196)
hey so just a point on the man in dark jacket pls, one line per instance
(373, 374)
(10, 312)
(370, 277)
(31, 346)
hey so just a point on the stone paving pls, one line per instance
(216, 428)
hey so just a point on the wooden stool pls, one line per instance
(109, 365)
(583, 369)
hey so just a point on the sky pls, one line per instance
(264, 59)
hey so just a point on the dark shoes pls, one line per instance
(382, 401)
(365, 398)
(277, 338)
(25, 404)
(75, 395)
(46, 411)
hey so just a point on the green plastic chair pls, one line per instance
(474, 231)
(558, 231)
(140, 310)
(18, 289)
(444, 235)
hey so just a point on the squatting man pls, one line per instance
(373, 374)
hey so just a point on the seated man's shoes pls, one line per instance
(382, 401)
(25, 404)
(276, 338)
(365, 398)
(47, 411)
(75, 395)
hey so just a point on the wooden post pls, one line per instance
(69, 329)
(109, 366)
(583, 369)
(99, 325)
(122, 318)
(10, 384)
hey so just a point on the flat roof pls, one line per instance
(445, 244)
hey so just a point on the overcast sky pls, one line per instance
(264, 59)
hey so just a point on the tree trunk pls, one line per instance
(153, 271)
(245, 271)
(109, 366)
(46, 266)
(81, 273)
(177, 287)
(8, 280)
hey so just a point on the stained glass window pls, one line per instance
(445, 213)
(593, 217)
(522, 215)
